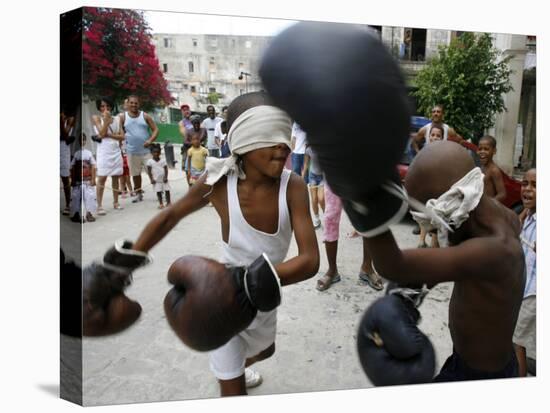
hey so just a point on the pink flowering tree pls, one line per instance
(119, 58)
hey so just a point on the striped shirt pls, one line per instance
(528, 238)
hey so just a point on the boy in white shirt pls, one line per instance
(157, 169)
(83, 168)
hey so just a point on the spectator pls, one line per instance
(525, 334)
(493, 182)
(137, 125)
(333, 213)
(157, 169)
(298, 146)
(66, 139)
(83, 182)
(185, 126)
(108, 135)
(315, 185)
(213, 144)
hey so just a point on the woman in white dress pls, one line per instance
(108, 134)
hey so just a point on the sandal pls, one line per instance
(372, 279)
(101, 211)
(326, 281)
(66, 211)
(117, 206)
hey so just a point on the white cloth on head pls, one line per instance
(453, 207)
(259, 127)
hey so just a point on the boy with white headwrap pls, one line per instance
(260, 205)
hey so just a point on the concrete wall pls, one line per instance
(506, 123)
(217, 61)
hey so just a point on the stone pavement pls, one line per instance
(315, 345)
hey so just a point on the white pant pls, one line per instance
(227, 362)
(85, 192)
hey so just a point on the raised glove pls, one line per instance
(106, 309)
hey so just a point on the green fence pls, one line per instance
(169, 132)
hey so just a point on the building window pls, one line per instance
(191, 67)
(233, 43)
(212, 66)
(165, 67)
(414, 44)
(248, 44)
(211, 90)
(167, 42)
(214, 43)
(195, 42)
(241, 66)
(193, 89)
(185, 86)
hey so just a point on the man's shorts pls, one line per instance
(315, 180)
(137, 162)
(227, 362)
(525, 334)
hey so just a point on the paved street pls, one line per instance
(315, 346)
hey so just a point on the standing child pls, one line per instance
(436, 134)
(493, 181)
(315, 184)
(196, 156)
(525, 335)
(157, 169)
(83, 183)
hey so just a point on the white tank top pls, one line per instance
(247, 243)
(137, 132)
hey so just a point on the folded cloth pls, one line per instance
(259, 127)
(453, 207)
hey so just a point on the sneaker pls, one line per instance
(316, 222)
(252, 378)
(138, 198)
(76, 217)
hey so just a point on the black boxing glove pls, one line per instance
(392, 350)
(260, 283)
(334, 94)
(374, 212)
(210, 302)
(106, 310)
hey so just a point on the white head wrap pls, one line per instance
(454, 206)
(258, 127)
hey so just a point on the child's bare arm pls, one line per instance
(306, 264)
(150, 174)
(162, 223)
(498, 182)
(468, 260)
(165, 173)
